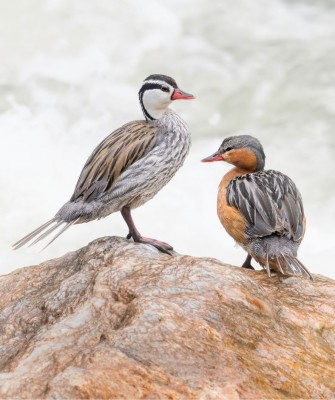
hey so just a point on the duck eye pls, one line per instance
(165, 89)
(228, 149)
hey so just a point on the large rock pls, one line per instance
(121, 320)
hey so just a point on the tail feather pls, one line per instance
(298, 267)
(277, 253)
(267, 266)
(47, 232)
(32, 234)
(43, 231)
(67, 226)
(292, 266)
(279, 264)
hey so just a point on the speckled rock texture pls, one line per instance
(118, 320)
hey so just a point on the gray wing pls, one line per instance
(114, 155)
(270, 202)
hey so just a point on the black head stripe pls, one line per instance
(149, 86)
(163, 78)
(146, 86)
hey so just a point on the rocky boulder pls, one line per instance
(118, 320)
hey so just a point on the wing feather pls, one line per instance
(270, 202)
(114, 154)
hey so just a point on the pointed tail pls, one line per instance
(277, 253)
(43, 231)
(290, 265)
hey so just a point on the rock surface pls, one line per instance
(118, 320)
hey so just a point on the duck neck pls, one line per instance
(246, 160)
(260, 157)
(236, 171)
(150, 114)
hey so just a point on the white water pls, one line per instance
(70, 73)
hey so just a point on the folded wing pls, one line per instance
(116, 153)
(270, 202)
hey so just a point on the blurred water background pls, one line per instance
(69, 75)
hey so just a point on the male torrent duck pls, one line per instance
(262, 210)
(129, 166)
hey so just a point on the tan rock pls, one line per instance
(117, 320)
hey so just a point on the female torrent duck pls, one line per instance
(129, 167)
(262, 210)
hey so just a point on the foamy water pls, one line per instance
(70, 73)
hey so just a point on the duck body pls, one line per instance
(261, 209)
(129, 166)
(166, 150)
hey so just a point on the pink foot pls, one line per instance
(161, 246)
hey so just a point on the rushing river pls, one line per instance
(69, 75)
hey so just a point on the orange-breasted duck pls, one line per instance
(261, 209)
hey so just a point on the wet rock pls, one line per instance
(121, 320)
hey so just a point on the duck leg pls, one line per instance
(247, 262)
(137, 237)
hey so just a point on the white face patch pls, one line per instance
(155, 101)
